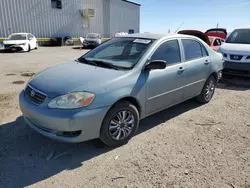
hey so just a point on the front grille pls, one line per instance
(34, 95)
(8, 45)
(236, 57)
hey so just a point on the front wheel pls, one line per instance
(208, 90)
(36, 46)
(120, 124)
(29, 48)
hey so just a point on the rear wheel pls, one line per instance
(120, 124)
(208, 90)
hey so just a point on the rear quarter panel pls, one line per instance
(216, 61)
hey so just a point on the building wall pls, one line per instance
(39, 18)
(124, 16)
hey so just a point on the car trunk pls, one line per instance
(196, 33)
(217, 32)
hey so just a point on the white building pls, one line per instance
(76, 18)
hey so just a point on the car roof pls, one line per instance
(242, 28)
(19, 33)
(155, 36)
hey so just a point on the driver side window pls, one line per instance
(168, 51)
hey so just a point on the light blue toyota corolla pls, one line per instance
(106, 92)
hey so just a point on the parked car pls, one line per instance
(105, 93)
(236, 52)
(213, 37)
(20, 42)
(120, 34)
(92, 40)
(217, 37)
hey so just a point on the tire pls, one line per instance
(29, 48)
(108, 135)
(36, 46)
(210, 84)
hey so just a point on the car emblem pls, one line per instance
(236, 57)
(32, 93)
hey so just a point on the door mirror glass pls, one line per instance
(156, 64)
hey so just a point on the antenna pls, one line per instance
(179, 28)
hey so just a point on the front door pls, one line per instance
(165, 87)
(197, 63)
(32, 41)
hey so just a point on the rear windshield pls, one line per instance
(17, 37)
(239, 36)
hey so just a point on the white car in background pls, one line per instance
(236, 52)
(20, 42)
(120, 34)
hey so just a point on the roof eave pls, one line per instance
(132, 2)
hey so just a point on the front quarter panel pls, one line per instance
(129, 85)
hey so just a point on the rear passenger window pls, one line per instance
(168, 51)
(192, 49)
(204, 51)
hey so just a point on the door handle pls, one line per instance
(181, 69)
(206, 62)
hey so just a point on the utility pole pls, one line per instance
(217, 25)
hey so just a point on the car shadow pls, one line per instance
(10, 52)
(234, 83)
(27, 157)
(77, 48)
(82, 48)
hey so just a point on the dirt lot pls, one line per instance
(186, 146)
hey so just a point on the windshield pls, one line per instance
(92, 35)
(121, 52)
(17, 37)
(239, 36)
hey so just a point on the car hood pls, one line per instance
(241, 49)
(14, 42)
(74, 76)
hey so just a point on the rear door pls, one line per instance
(197, 66)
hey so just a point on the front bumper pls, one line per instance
(237, 68)
(82, 123)
(85, 44)
(15, 48)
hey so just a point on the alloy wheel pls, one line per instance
(121, 125)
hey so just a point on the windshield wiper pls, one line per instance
(103, 63)
(97, 63)
(84, 60)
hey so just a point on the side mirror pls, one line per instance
(156, 64)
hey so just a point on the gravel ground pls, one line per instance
(188, 145)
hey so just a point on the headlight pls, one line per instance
(29, 81)
(72, 100)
